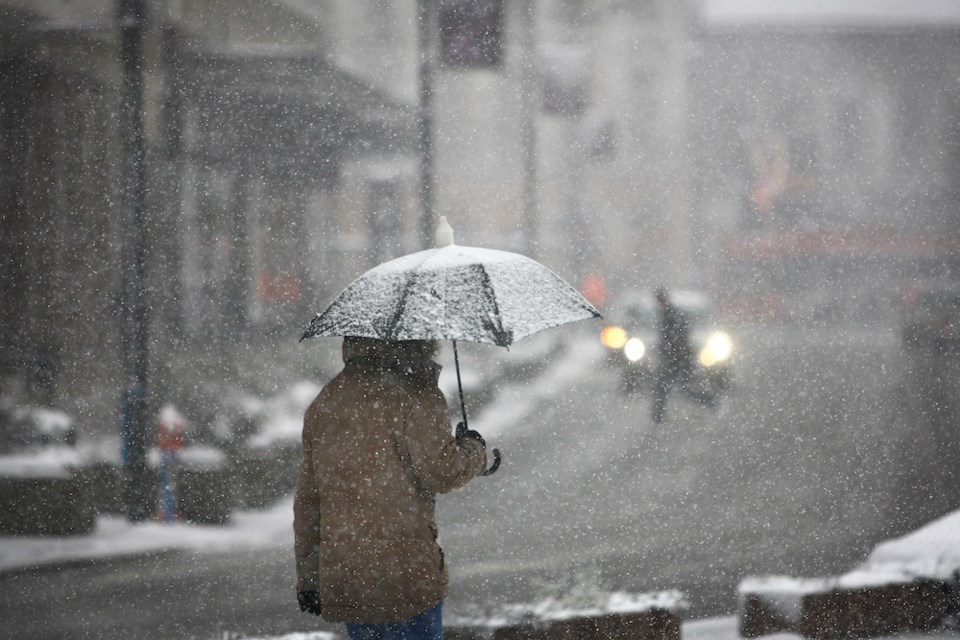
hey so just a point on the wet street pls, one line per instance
(823, 448)
(821, 451)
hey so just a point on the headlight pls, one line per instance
(613, 337)
(634, 349)
(718, 349)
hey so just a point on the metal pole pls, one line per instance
(425, 22)
(134, 329)
(529, 92)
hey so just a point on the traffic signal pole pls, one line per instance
(529, 108)
(425, 44)
(133, 330)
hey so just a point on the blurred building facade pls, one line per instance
(248, 125)
(829, 171)
(713, 143)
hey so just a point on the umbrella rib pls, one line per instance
(503, 337)
(401, 306)
(394, 323)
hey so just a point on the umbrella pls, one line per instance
(453, 293)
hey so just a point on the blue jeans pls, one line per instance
(425, 626)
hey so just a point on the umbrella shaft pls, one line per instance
(456, 360)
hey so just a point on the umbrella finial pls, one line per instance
(444, 233)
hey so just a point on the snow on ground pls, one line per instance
(116, 536)
(309, 635)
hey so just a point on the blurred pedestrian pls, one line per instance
(377, 448)
(674, 357)
(170, 427)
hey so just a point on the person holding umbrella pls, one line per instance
(377, 443)
(377, 448)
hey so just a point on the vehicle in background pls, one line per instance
(630, 340)
(931, 320)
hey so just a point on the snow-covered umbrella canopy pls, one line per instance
(453, 293)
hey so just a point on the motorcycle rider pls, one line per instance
(675, 357)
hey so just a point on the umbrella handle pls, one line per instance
(496, 464)
(463, 408)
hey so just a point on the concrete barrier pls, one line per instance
(757, 618)
(45, 506)
(830, 611)
(653, 624)
(656, 624)
(873, 611)
(644, 617)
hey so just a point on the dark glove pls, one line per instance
(309, 601)
(463, 432)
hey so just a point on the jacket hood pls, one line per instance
(355, 347)
(402, 356)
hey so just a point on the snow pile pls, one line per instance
(196, 457)
(279, 419)
(931, 552)
(116, 536)
(619, 602)
(579, 595)
(50, 422)
(41, 462)
(308, 635)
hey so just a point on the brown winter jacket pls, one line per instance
(377, 448)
